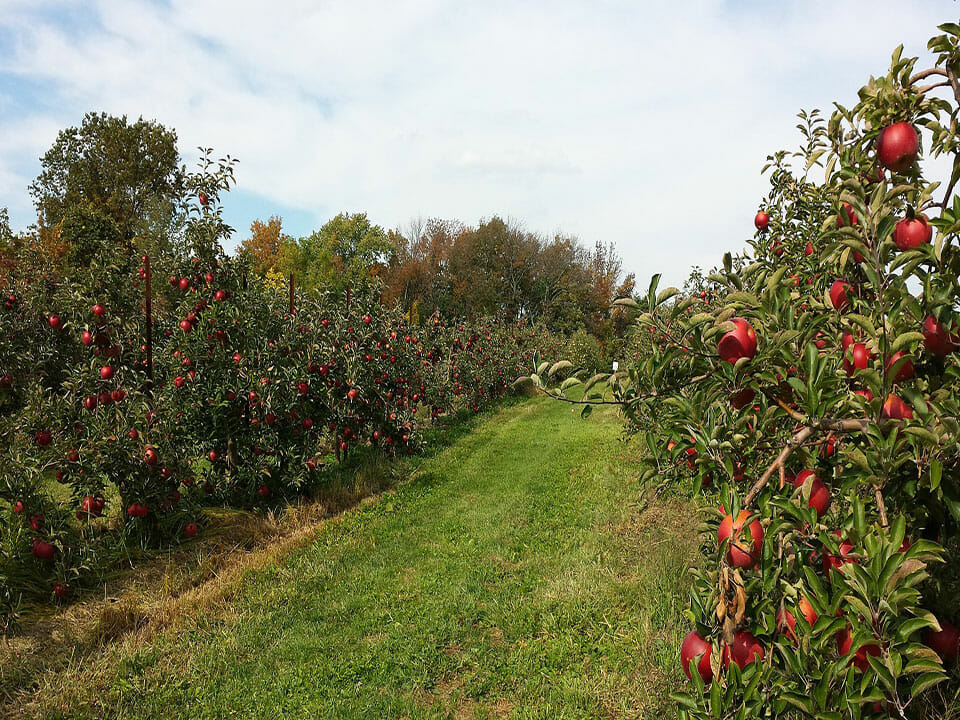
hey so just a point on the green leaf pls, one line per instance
(905, 339)
(665, 295)
(927, 681)
(558, 366)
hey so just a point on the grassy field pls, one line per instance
(520, 572)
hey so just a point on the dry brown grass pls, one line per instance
(56, 650)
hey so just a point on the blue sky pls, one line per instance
(645, 124)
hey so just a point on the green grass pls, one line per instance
(521, 572)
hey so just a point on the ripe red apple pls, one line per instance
(352, 394)
(106, 372)
(847, 216)
(945, 643)
(59, 589)
(86, 337)
(42, 438)
(832, 562)
(761, 221)
(808, 250)
(694, 646)
(742, 398)
(906, 370)
(43, 550)
(739, 342)
(190, 529)
(219, 296)
(912, 232)
(860, 358)
(859, 660)
(55, 322)
(895, 408)
(150, 456)
(99, 310)
(897, 146)
(186, 326)
(840, 294)
(203, 197)
(787, 621)
(937, 339)
(184, 283)
(738, 555)
(263, 491)
(819, 494)
(744, 650)
(213, 456)
(18, 507)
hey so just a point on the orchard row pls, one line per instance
(118, 429)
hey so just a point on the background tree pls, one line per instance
(130, 172)
(264, 248)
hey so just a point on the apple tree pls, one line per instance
(808, 388)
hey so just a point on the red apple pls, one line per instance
(744, 650)
(761, 221)
(906, 370)
(859, 660)
(741, 399)
(86, 337)
(693, 647)
(106, 372)
(43, 550)
(840, 294)
(897, 146)
(738, 343)
(190, 529)
(945, 643)
(895, 408)
(787, 621)
(847, 216)
(860, 358)
(819, 494)
(742, 556)
(937, 339)
(912, 232)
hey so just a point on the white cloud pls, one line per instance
(641, 123)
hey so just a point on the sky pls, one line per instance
(644, 124)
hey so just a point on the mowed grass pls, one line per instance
(521, 572)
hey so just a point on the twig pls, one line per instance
(881, 506)
(927, 73)
(798, 439)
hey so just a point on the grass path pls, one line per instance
(522, 572)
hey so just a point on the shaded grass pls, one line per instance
(521, 572)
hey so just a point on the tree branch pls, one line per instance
(927, 73)
(881, 505)
(798, 439)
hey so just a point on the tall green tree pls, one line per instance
(348, 251)
(130, 172)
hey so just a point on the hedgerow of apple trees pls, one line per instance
(810, 389)
(110, 441)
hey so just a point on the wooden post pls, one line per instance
(292, 311)
(149, 313)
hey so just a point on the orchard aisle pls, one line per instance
(522, 572)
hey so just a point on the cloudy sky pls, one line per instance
(641, 123)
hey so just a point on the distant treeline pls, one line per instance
(124, 180)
